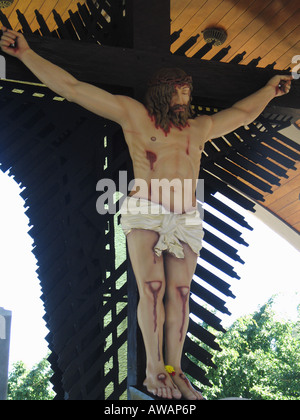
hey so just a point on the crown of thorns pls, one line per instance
(170, 81)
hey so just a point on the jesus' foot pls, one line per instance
(185, 387)
(159, 383)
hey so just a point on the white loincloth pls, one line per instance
(173, 228)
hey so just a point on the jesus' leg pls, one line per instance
(150, 277)
(179, 274)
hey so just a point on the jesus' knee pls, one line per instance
(178, 294)
(153, 290)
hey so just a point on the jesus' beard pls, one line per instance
(179, 118)
(166, 117)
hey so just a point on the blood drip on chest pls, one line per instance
(152, 158)
(187, 150)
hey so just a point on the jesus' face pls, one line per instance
(180, 99)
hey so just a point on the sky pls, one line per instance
(271, 267)
(19, 285)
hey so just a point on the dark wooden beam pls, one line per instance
(279, 110)
(217, 83)
(151, 25)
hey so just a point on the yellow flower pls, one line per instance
(170, 370)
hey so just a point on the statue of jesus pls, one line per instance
(162, 224)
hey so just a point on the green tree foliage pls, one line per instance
(260, 359)
(34, 384)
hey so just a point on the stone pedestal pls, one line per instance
(5, 325)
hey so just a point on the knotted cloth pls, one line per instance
(173, 228)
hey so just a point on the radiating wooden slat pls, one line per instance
(27, 9)
(46, 10)
(45, 7)
(23, 7)
(65, 7)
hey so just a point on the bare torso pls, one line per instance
(169, 164)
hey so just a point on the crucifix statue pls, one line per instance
(160, 219)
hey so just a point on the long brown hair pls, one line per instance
(161, 88)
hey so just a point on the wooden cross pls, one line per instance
(215, 83)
